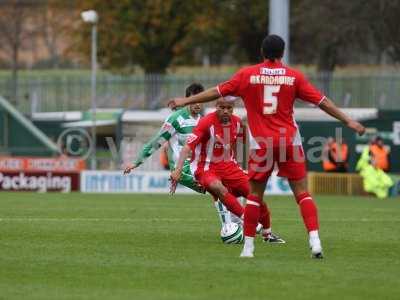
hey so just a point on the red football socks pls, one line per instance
(232, 204)
(251, 215)
(308, 211)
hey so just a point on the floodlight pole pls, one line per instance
(93, 95)
(279, 22)
(90, 16)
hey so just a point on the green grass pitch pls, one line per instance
(104, 246)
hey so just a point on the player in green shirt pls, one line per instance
(174, 131)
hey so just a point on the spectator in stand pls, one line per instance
(335, 156)
(379, 154)
(327, 161)
(375, 180)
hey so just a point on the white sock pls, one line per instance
(313, 235)
(248, 242)
(314, 239)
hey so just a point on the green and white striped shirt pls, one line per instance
(175, 129)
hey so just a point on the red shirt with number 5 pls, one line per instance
(268, 91)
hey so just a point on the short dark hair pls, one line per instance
(194, 89)
(273, 47)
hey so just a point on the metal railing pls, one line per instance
(72, 92)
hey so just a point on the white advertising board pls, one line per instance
(396, 133)
(150, 182)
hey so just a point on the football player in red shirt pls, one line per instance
(213, 145)
(269, 90)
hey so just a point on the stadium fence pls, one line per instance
(71, 92)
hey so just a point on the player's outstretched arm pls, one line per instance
(129, 168)
(147, 150)
(331, 109)
(205, 96)
(163, 135)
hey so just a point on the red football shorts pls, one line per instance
(231, 175)
(290, 161)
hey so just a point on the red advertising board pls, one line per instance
(33, 164)
(40, 181)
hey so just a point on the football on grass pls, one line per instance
(232, 233)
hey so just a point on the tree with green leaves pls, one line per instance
(144, 33)
(14, 34)
(249, 22)
(210, 37)
(136, 32)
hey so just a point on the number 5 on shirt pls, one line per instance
(270, 99)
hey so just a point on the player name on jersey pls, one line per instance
(265, 79)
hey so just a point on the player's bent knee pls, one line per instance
(242, 191)
(217, 188)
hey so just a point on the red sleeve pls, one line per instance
(307, 92)
(199, 132)
(232, 86)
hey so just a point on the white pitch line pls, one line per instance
(35, 219)
(96, 220)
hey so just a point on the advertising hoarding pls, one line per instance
(150, 182)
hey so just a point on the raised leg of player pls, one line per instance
(232, 204)
(223, 213)
(188, 180)
(309, 212)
